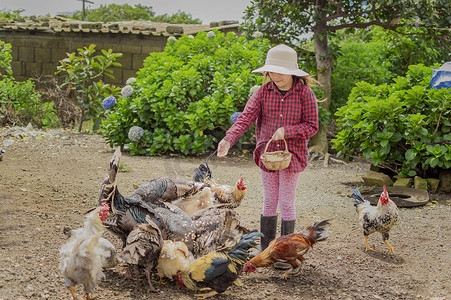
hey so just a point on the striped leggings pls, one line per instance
(279, 188)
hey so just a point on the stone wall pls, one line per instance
(38, 53)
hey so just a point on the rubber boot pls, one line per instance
(268, 226)
(287, 228)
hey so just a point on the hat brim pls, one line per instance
(280, 70)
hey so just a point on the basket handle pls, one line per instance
(266, 148)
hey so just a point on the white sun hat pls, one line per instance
(283, 60)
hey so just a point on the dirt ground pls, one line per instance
(46, 184)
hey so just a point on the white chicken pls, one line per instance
(174, 257)
(86, 253)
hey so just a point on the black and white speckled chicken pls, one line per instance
(215, 226)
(143, 247)
(380, 218)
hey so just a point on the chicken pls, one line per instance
(221, 193)
(174, 257)
(127, 212)
(143, 248)
(380, 218)
(165, 189)
(215, 226)
(290, 249)
(86, 252)
(191, 204)
(219, 269)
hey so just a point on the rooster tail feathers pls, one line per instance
(239, 247)
(317, 232)
(203, 173)
(357, 196)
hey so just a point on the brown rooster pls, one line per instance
(191, 204)
(143, 248)
(290, 249)
(380, 218)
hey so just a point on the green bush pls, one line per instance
(5, 59)
(21, 104)
(183, 97)
(405, 126)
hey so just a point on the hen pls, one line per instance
(143, 248)
(86, 252)
(191, 204)
(380, 218)
(233, 195)
(215, 226)
(174, 257)
(219, 269)
(290, 249)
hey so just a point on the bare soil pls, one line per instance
(47, 184)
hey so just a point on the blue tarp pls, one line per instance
(441, 77)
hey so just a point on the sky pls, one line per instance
(205, 10)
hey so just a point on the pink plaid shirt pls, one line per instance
(297, 112)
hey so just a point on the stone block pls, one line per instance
(32, 69)
(172, 29)
(137, 62)
(58, 54)
(127, 74)
(53, 43)
(433, 184)
(18, 68)
(26, 54)
(147, 49)
(126, 61)
(133, 49)
(420, 183)
(445, 181)
(118, 79)
(116, 47)
(42, 55)
(33, 43)
(403, 182)
(372, 178)
(49, 68)
(14, 53)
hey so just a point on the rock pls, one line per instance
(373, 178)
(420, 183)
(403, 182)
(433, 184)
(445, 181)
(174, 29)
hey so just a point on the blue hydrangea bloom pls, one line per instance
(135, 133)
(108, 102)
(234, 116)
(211, 34)
(127, 91)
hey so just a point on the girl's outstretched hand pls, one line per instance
(223, 148)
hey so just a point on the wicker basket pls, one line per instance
(276, 160)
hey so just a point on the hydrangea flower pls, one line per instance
(127, 91)
(234, 116)
(172, 38)
(211, 34)
(130, 80)
(191, 36)
(108, 102)
(135, 133)
(257, 34)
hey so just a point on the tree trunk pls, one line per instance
(324, 66)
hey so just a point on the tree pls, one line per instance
(288, 21)
(125, 12)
